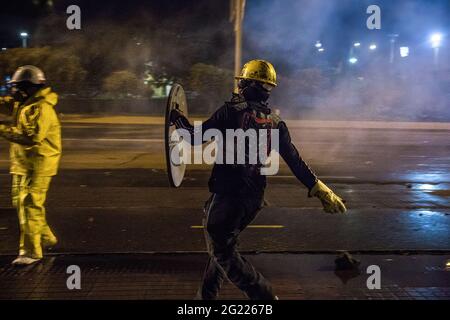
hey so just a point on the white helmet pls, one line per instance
(28, 73)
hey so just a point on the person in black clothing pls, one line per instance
(238, 189)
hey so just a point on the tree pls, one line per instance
(123, 83)
(213, 84)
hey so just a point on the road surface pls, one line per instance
(112, 193)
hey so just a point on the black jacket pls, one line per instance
(246, 179)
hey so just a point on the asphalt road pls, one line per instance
(112, 193)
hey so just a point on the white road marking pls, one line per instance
(251, 227)
(322, 177)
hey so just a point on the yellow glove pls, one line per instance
(330, 201)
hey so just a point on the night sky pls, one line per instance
(283, 30)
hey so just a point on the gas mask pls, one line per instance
(22, 91)
(255, 91)
(18, 94)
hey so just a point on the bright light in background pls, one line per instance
(353, 60)
(373, 46)
(318, 44)
(427, 186)
(436, 40)
(24, 36)
(3, 49)
(357, 44)
(321, 50)
(404, 52)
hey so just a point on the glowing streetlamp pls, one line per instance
(24, 36)
(393, 39)
(318, 44)
(357, 44)
(373, 47)
(436, 41)
(321, 49)
(353, 60)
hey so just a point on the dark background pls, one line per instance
(192, 42)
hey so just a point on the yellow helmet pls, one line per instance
(259, 70)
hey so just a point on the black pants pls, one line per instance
(225, 218)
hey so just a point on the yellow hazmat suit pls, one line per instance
(35, 136)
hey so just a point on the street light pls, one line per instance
(373, 47)
(353, 60)
(318, 44)
(352, 48)
(393, 40)
(24, 36)
(436, 41)
(321, 49)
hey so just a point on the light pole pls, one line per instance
(353, 47)
(393, 40)
(436, 40)
(237, 16)
(24, 36)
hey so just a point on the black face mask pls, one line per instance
(255, 92)
(19, 95)
(22, 92)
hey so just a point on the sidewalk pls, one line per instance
(330, 124)
(177, 276)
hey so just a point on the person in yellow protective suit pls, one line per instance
(35, 136)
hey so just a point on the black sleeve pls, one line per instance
(293, 159)
(216, 121)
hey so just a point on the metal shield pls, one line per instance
(175, 168)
